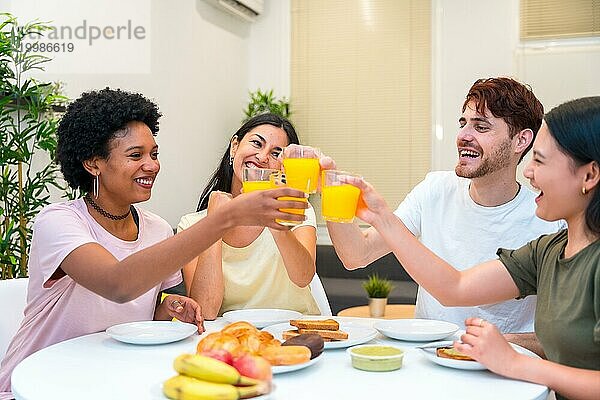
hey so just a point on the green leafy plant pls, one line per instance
(262, 102)
(376, 287)
(29, 114)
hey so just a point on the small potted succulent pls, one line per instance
(378, 290)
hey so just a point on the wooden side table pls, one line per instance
(392, 311)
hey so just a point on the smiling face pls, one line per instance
(557, 178)
(128, 174)
(484, 144)
(259, 148)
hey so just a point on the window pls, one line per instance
(360, 87)
(558, 19)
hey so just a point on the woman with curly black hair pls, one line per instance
(100, 261)
(252, 267)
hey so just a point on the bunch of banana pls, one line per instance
(183, 387)
(210, 369)
(206, 378)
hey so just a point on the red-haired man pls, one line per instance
(465, 215)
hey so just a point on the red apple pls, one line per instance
(219, 354)
(253, 367)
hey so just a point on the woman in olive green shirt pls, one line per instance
(562, 268)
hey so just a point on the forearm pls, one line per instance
(356, 248)
(135, 278)
(207, 286)
(96, 269)
(572, 383)
(527, 340)
(485, 283)
(438, 277)
(298, 260)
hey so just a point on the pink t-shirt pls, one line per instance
(62, 309)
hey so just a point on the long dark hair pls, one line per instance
(575, 125)
(223, 175)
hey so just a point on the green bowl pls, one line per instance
(375, 357)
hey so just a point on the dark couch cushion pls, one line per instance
(329, 265)
(343, 293)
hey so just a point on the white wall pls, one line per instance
(269, 49)
(471, 39)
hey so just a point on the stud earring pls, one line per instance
(230, 160)
(96, 186)
(584, 191)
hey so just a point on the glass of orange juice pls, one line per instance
(258, 179)
(281, 180)
(263, 179)
(301, 165)
(338, 198)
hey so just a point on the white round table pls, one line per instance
(99, 367)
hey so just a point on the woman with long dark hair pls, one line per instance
(252, 267)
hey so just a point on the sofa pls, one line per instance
(344, 288)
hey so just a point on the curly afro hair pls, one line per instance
(89, 125)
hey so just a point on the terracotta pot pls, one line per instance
(377, 307)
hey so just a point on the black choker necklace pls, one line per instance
(103, 212)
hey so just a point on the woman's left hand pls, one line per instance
(484, 342)
(217, 199)
(184, 309)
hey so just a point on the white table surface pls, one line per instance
(99, 367)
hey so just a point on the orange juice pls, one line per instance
(302, 173)
(251, 186)
(299, 211)
(339, 202)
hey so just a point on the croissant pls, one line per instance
(219, 340)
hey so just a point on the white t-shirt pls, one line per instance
(61, 309)
(254, 276)
(440, 212)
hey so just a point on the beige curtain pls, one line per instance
(557, 19)
(360, 87)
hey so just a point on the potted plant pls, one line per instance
(378, 290)
(28, 124)
(262, 102)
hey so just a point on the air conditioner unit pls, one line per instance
(247, 10)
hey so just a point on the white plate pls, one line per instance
(430, 353)
(280, 369)
(416, 329)
(356, 334)
(151, 332)
(261, 317)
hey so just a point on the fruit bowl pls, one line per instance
(377, 358)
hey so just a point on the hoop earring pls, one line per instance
(96, 186)
(583, 191)
(230, 160)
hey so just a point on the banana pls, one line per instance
(183, 387)
(210, 369)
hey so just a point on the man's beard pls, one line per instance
(497, 160)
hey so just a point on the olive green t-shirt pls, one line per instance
(567, 320)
